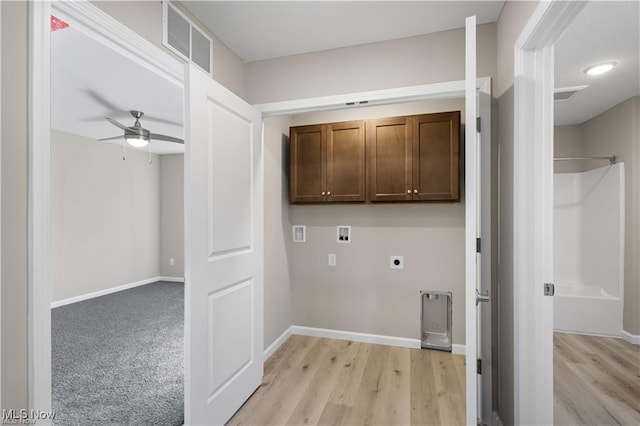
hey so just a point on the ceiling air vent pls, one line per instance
(185, 39)
(564, 93)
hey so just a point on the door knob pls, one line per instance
(408, 191)
(323, 193)
(329, 193)
(415, 191)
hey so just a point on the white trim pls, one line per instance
(450, 89)
(634, 339)
(38, 254)
(275, 345)
(96, 24)
(497, 421)
(106, 291)
(376, 339)
(532, 210)
(171, 279)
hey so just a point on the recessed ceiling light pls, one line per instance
(600, 68)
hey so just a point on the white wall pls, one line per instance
(105, 216)
(172, 215)
(361, 293)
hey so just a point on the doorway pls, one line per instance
(117, 251)
(592, 212)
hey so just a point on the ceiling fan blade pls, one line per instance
(158, 137)
(115, 123)
(112, 138)
(102, 101)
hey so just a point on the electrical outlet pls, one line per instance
(396, 262)
(332, 259)
(172, 261)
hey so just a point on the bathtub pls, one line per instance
(586, 309)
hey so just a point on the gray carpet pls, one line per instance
(119, 359)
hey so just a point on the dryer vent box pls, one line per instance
(436, 320)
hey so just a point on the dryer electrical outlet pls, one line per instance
(396, 262)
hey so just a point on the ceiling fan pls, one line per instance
(136, 135)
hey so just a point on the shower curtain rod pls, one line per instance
(611, 159)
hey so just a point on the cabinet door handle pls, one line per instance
(415, 191)
(329, 193)
(323, 193)
(408, 191)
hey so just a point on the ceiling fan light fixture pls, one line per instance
(600, 68)
(137, 141)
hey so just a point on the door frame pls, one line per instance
(533, 209)
(112, 33)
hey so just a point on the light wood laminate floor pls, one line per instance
(596, 381)
(312, 380)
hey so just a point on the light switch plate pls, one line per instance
(332, 259)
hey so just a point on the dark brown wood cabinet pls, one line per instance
(327, 163)
(414, 158)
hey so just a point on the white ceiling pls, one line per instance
(257, 30)
(91, 82)
(604, 31)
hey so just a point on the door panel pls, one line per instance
(307, 164)
(230, 180)
(389, 146)
(435, 156)
(224, 250)
(345, 161)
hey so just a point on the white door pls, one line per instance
(224, 250)
(485, 280)
(471, 224)
(478, 234)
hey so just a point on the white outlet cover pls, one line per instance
(332, 259)
(396, 262)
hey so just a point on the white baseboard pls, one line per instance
(378, 339)
(496, 419)
(631, 338)
(277, 343)
(99, 293)
(171, 279)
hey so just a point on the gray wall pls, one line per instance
(105, 216)
(14, 204)
(409, 61)
(514, 16)
(278, 287)
(172, 215)
(362, 293)
(617, 131)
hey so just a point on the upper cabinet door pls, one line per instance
(389, 158)
(436, 157)
(345, 162)
(308, 171)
